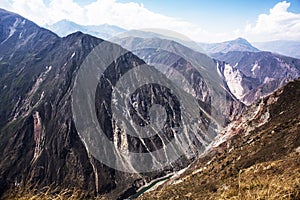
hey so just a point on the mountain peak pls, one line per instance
(239, 44)
(241, 40)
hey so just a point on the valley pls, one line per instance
(102, 112)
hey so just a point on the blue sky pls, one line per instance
(204, 12)
(226, 14)
(207, 21)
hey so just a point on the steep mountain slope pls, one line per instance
(239, 44)
(22, 42)
(251, 75)
(65, 27)
(257, 157)
(284, 47)
(39, 144)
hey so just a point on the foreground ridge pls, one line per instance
(262, 163)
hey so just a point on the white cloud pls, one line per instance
(127, 15)
(279, 24)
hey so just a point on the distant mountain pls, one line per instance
(160, 34)
(251, 75)
(171, 57)
(284, 47)
(104, 31)
(238, 44)
(257, 157)
(248, 75)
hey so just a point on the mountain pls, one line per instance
(247, 75)
(76, 111)
(40, 145)
(39, 142)
(251, 75)
(159, 34)
(65, 27)
(284, 47)
(198, 69)
(257, 157)
(45, 144)
(239, 44)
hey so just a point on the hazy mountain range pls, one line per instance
(238, 44)
(104, 31)
(285, 47)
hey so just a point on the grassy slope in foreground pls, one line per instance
(263, 163)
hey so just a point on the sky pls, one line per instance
(201, 21)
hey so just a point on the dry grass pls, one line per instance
(271, 180)
(47, 193)
(276, 180)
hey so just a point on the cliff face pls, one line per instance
(40, 145)
(252, 75)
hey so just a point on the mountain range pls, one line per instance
(284, 47)
(106, 31)
(248, 75)
(239, 44)
(40, 144)
(245, 104)
(66, 27)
